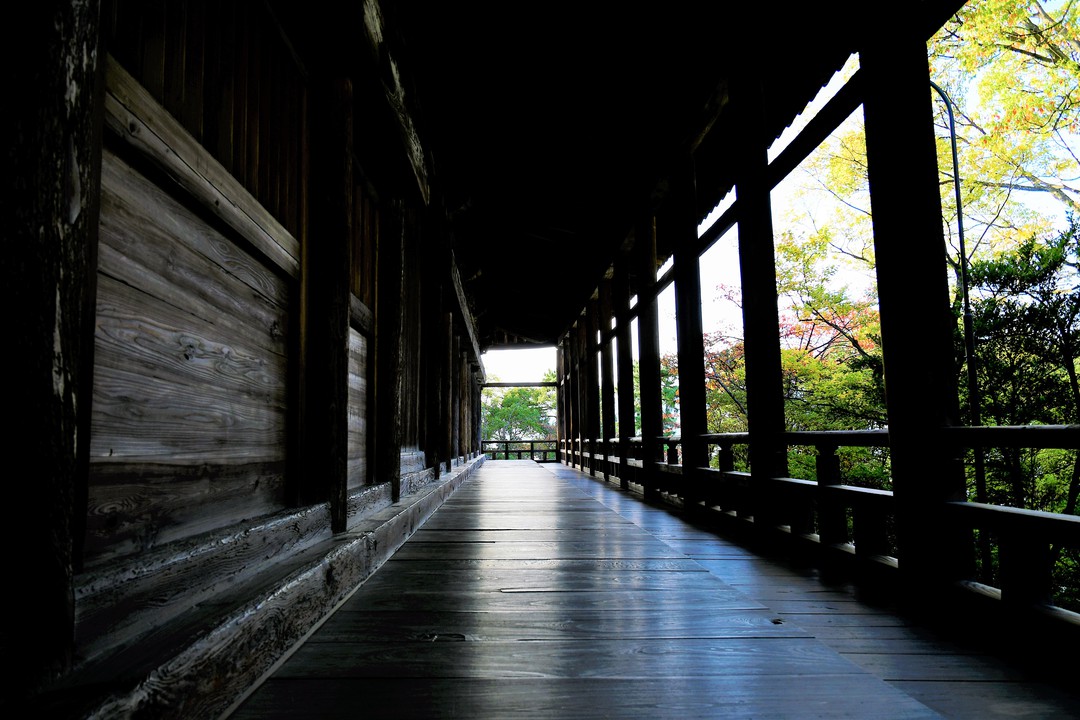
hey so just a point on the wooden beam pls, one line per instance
(468, 324)
(133, 114)
(382, 54)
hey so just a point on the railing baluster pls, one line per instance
(832, 514)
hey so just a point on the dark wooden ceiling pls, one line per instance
(550, 126)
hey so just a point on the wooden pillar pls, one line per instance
(455, 395)
(652, 421)
(448, 392)
(625, 361)
(389, 305)
(432, 333)
(761, 323)
(460, 398)
(569, 407)
(921, 397)
(324, 297)
(607, 379)
(476, 409)
(560, 402)
(690, 339)
(581, 416)
(592, 386)
(50, 195)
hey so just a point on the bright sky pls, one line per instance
(518, 365)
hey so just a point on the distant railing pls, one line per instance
(538, 450)
(856, 524)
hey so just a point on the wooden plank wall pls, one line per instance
(358, 409)
(189, 421)
(189, 431)
(226, 72)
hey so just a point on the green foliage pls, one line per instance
(521, 413)
(1027, 325)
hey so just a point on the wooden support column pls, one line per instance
(561, 406)
(592, 386)
(477, 409)
(761, 323)
(459, 398)
(652, 421)
(448, 392)
(607, 380)
(50, 192)
(389, 374)
(691, 345)
(324, 296)
(921, 397)
(570, 394)
(432, 331)
(577, 372)
(625, 361)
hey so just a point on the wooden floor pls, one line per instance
(539, 592)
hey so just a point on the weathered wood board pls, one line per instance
(190, 384)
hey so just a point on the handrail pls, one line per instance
(853, 524)
(548, 449)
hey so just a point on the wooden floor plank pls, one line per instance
(630, 623)
(767, 698)
(536, 591)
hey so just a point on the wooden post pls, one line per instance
(652, 424)
(761, 323)
(432, 333)
(448, 392)
(455, 394)
(690, 336)
(388, 362)
(50, 201)
(592, 386)
(607, 381)
(625, 360)
(832, 518)
(580, 381)
(562, 407)
(325, 282)
(921, 397)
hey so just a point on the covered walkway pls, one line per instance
(539, 591)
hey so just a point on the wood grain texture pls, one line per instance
(133, 114)
(358, 410)
(190, 381)
(526, 594)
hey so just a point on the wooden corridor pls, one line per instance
(537, 591)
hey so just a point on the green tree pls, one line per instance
(519, 413)
(1027, 322)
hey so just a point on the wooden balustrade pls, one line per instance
(852, 528)
(539, 450)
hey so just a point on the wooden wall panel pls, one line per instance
(226, 72)
(189, 420)
(358, 409)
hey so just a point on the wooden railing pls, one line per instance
(538, 450)
(849, 526)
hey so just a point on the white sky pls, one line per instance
(518, 365)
